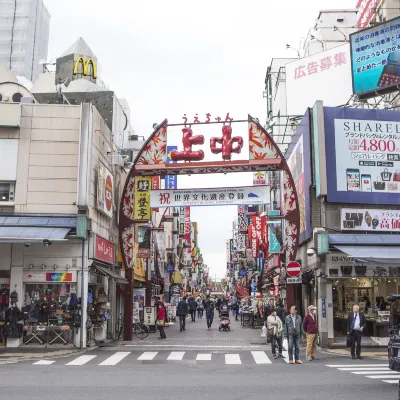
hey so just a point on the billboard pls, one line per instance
(299, 161)
(362, 149)
(370, 219)
(324, 76)
(375, 57)
(105, 183)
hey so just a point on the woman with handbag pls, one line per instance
(161, 320)
(274, 332)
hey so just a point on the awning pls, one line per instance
(111, 274)
(375, 254)
(23, 234)
(366, 239)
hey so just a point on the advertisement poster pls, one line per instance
(141, 210)
(209, 197)
(138, 297)
(139, 270)
(299, 161)
(370, 220)
(375, 56)
(105, 183)
(324, 76)
(366, 160)
(188, 229)
(144, 239)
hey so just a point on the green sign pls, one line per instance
(81, 227)
(322, 243)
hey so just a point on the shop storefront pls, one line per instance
(352, 280)
(103, 289)
(50, 308)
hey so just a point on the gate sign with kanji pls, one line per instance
(293, 269)
(232, 146)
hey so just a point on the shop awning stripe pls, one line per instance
(12, 234)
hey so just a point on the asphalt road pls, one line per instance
(202, 372)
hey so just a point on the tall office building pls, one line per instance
(24, 36)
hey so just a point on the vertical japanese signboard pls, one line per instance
(155, 185)
(188, 229)
(181, 221)
(242, 227)
(141, 209)
(171, 181)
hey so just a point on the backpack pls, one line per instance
(14, 297)
(77, 320)
(73, 301)
(181, 310)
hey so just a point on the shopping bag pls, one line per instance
(349, 341)
(386, 175)
(378, 184)
(160, 322)
(264, 331)
(396, 176)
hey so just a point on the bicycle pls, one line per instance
(140, 329)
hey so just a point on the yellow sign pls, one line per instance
(141, 207)
(87, 68)
(139, 270)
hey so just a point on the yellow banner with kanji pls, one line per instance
(139, 270)
(141, 207)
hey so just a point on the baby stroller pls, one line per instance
(224, 321)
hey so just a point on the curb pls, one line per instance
(347, 355)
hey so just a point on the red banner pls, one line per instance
(187, 235)
(254, 241)
(264, 232)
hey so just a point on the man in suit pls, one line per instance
(355, 328)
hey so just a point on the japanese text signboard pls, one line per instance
(142, 199)
(207, 197)
(188, 229)
(370, 220)
(375, 55)
(104, 250)
(324, 76)
(365, 164)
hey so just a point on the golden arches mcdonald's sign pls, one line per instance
(85, 67)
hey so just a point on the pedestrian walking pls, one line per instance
(311, 329)
(209, 307)
(235, 309)
(275, 327)
(293, 331)
(355, 328)
(193, 308)
(218, 304)
(269, 307)
(181, 311)
(161, 319)
(280, 311)
(200, 308)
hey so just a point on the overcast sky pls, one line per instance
(173, 57)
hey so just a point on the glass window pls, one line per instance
(7, 191)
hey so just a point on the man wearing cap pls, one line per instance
(311, 329)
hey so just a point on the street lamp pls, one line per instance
(288, 46)
(314, 38)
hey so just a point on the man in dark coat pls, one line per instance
(209, 307)
(181, 311)
(355, 327)
(193, 308)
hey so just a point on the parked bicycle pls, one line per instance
(140, 329)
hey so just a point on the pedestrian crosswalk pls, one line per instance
(370, 371)
(127, 357)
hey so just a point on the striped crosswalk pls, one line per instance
(123, 357)
(370, 371)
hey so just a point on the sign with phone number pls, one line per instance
(367, 155)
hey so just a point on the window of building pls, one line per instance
(7, 190)
(17, 97)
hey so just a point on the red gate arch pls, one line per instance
(264, 155)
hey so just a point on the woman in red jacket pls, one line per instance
(161, 320)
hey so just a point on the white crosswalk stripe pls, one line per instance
(147, 355)
(176, 356)
(105, 359)
(370, 371)
(115, 358)
(81, 360)
(232, 359)
(260, 357)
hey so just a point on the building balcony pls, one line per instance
(10, 114)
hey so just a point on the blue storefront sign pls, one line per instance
(171, 181)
